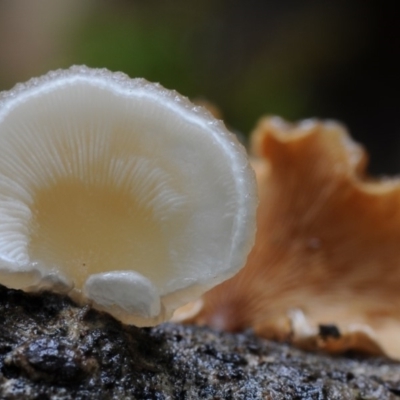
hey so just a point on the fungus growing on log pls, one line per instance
(327, 246)
(119, 192)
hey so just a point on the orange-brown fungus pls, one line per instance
(327, 249)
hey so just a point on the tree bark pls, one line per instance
(51, 348)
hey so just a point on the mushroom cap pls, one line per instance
(121, 191)
(327, 245)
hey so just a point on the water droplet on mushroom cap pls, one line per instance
(121, 189)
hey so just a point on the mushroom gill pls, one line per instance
(121, 191)
(327, 247)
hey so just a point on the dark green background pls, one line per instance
(297, 59)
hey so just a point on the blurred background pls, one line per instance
(297, 59)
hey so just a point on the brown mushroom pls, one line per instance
(327, 246)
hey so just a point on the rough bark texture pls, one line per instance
(51, 348)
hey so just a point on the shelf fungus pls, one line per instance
(119, 192)
(325, 269)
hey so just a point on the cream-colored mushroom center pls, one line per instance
(82, 229)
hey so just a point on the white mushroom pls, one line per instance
(119, 192)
